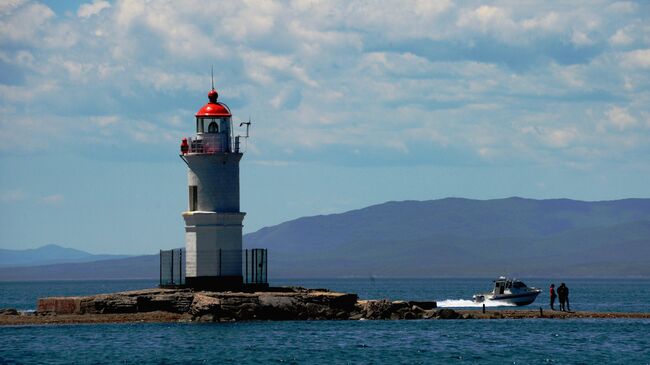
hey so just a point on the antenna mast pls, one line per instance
(237, 139)
(212, 75)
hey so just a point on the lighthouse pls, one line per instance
(213, 220)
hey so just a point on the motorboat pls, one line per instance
(511, 291)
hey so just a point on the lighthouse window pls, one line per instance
(224, 124)
(193, 198)
(199, 125)
(213, 127)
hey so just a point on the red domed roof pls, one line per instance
(214, 108)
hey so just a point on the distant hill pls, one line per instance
(439, 238)
(464, 237)
(138, 267)
(49, 254)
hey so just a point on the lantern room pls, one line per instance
(214, 132)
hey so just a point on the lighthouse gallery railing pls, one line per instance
(212, 143)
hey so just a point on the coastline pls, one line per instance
(168, 317)
(274, 304)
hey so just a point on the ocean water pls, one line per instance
(534, 341)
(334, 342)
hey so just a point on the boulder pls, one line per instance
(334, 300)
(178, 302)
(447, 313)
(8, 312)
(356, 316)
(383, 309)
(410, 315)
(429, 313)
(375, 309)
(114, 303)
(203, 305)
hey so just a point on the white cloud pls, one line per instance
(272, 163)
(8, 5)
(22, 94)
(128, 11)
(24, 22)
(487, 19)
(12, 196)
(622, 7)
(433, 73)
(105, 121)
(88, 10)
(620, 38)
(550, 22)
(267, 68)
(561, 137)
(53, 199)
(620, 118)
(638, 58)
(394, 20)
(580, 38)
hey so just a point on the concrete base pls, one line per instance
(215, 283)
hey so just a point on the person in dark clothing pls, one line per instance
(562, 293)
(566, 298)
(552, 294)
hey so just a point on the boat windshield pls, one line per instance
(518, 284)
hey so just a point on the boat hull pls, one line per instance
(518, 299)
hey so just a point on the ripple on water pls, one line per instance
(453, 341)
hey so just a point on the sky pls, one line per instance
(352, 103)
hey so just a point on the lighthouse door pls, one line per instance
(193, 198)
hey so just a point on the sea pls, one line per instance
(527, 341)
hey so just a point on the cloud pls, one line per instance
(494, 81)
(549, 22)
(620, 117)
(14, 195)
(561, 137)
(272, 163)
(621, 37)
(638, 58)
(22, 22)
(53, 199)
(622, 7)
(581, 39)
(488, 19)
(88, 10)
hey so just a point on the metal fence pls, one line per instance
(255, 266)
(172, 267)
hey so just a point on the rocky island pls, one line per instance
(286, 303)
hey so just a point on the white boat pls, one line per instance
(511, 291)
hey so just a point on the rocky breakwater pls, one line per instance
(290, 303)
(184, 305)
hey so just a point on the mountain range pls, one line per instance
(49, 254)
(463, 237)
(451, 237)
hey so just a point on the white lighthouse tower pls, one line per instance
(213, 222)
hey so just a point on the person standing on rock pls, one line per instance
(552, 294)
(566, 298)
(562, 295)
